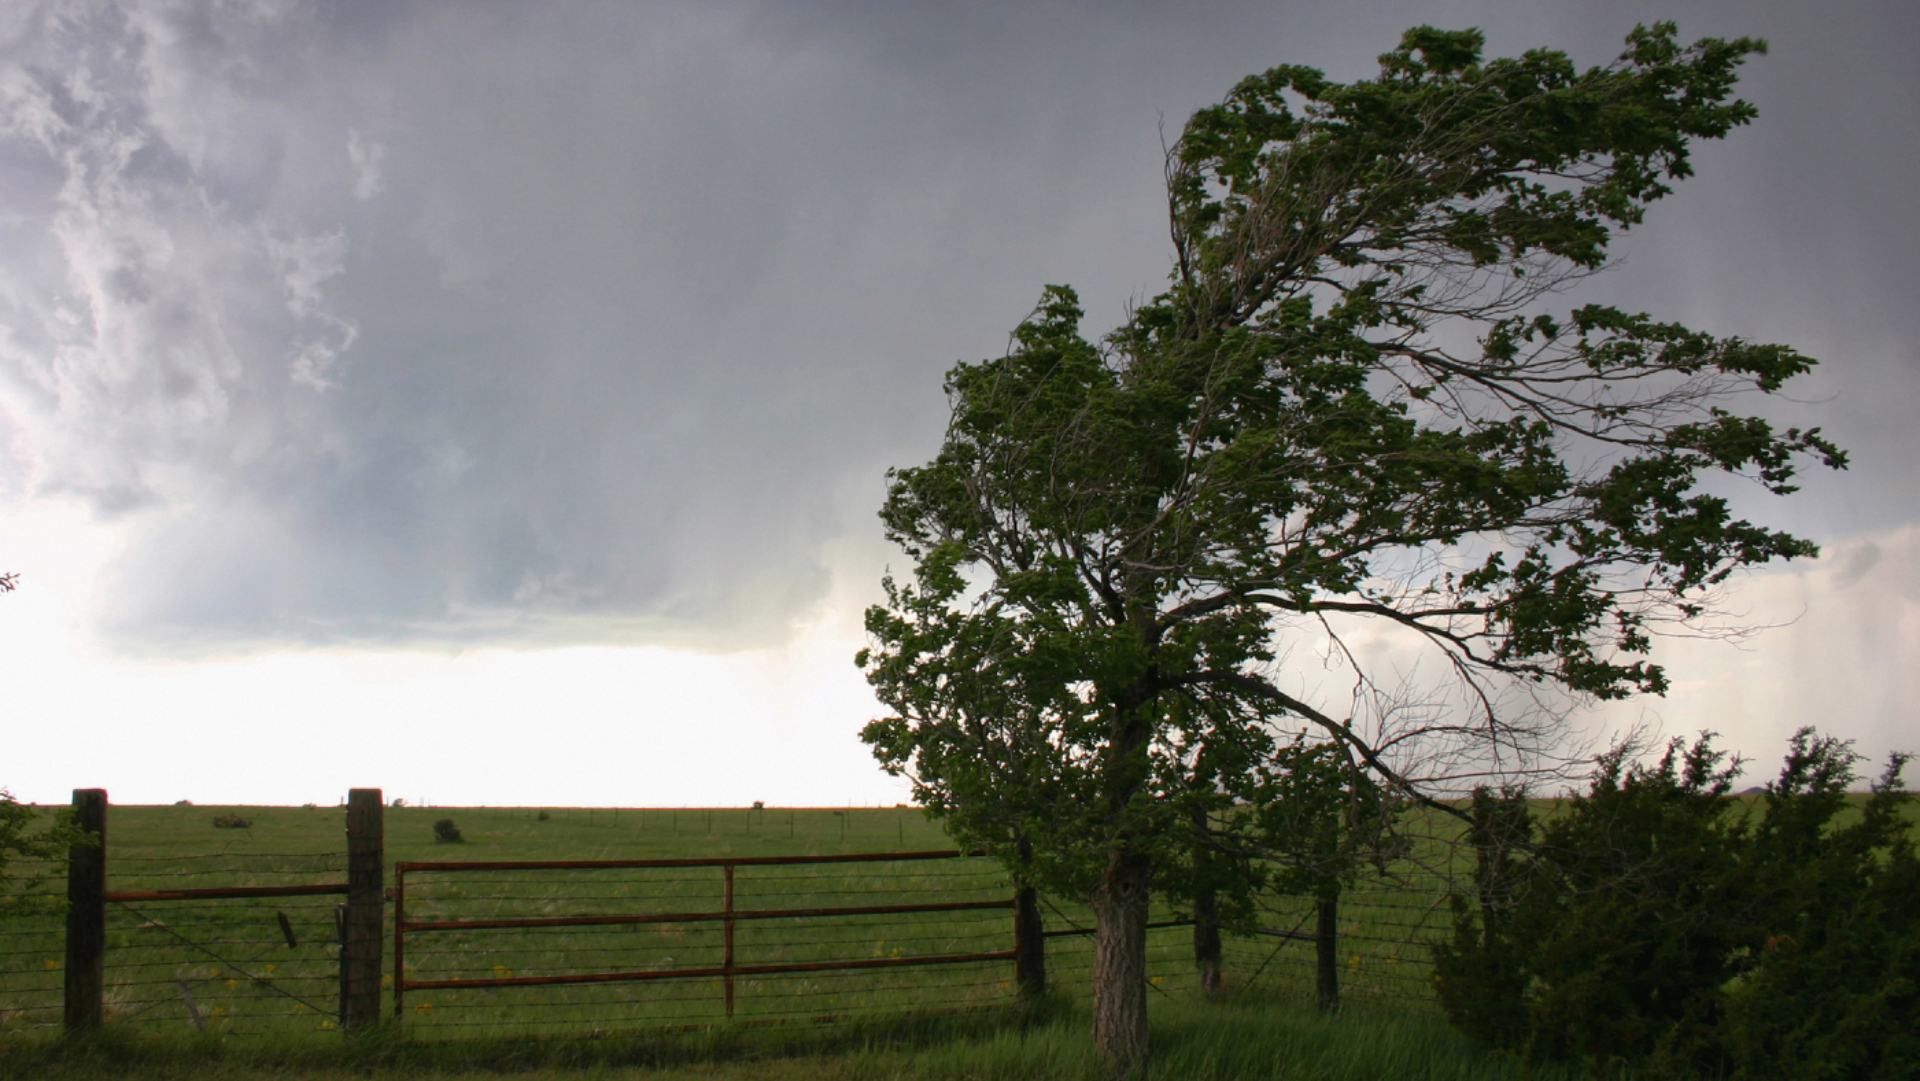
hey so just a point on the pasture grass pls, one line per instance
(906, 1031)
(227, 963)
(1250, 1037)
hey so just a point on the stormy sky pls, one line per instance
(510, 387)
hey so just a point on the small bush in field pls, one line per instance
(447, 832)
(231, 822)
(544, 816)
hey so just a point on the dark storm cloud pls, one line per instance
(426, 323)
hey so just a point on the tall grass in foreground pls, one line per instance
(1244, 1039)
(1247, 1039)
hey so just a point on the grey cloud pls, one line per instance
(1859, 560)
(459, 323)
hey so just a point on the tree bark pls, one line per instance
(1327, 950)
(1029, 942)
(1120, 1034)
(1206, 941)
(1206, 913)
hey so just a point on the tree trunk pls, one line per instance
(1206, 912)
(1029, 942)
(1327, 949)
(1206, 941)
(1120, 963)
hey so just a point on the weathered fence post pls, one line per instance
(362, 930)
(86, 975)
(1327, 950)
(1029, 942)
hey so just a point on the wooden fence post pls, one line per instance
(86, 974)
(1327, 950)
(363, 930)
(1029, 942)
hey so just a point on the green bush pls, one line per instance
(447, 832)
(231, 822)
(45, 851)
(1655, 923)
(1834, 991)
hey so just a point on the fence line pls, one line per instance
(87, 940)
(584, 945)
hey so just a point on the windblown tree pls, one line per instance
(1354, 404)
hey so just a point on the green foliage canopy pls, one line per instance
(1352, 403)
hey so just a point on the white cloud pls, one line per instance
(367, 155)
(1835, 646)
(307, 263)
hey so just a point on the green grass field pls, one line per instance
(233, 967)
(1250, 1037)
(265, 1006)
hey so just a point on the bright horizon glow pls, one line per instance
(601, 726)
(653, 727)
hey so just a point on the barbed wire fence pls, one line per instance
(1385, 934)
(32, 940)
(236, 965)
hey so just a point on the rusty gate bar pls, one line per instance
(703, 861)
(416, 926)
(709, 973)
(217, 892)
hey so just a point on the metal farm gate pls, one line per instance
(601, 945)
